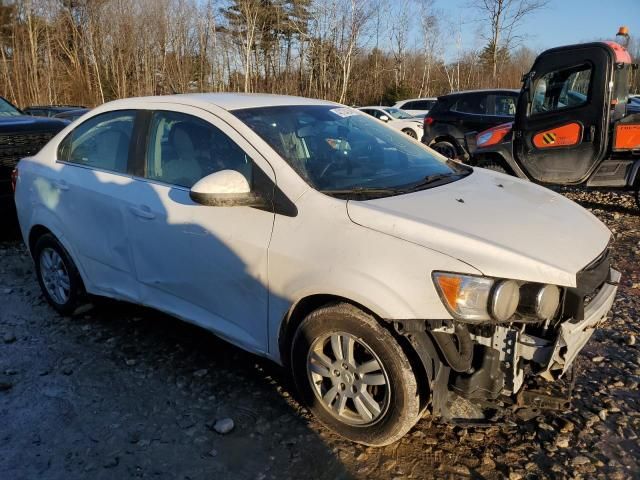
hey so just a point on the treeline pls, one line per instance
(352, 51)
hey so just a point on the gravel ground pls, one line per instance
(122, 392)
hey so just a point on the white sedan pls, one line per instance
(398, 119)
(386, 278)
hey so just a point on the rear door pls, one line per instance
(562, 114)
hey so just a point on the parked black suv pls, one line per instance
(49, 110)
(458, 113)
(20, 136)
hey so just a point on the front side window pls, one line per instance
(100, 142)
(561, 89)
(341, 149)
(182, 149)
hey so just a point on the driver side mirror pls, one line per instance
(384, 118)
(225, 188)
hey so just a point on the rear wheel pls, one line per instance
(445, 148)
(495, 166)
(57, 275)
(410, 132)
(354, 376)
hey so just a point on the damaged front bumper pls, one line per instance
(516, 351)
(504, 355)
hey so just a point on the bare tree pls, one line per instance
(503, 18)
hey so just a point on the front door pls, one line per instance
(562, 114)
(205, 264)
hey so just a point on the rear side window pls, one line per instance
(422, 104)
(100, 142)
(561, 89)
(475, 104)
(182, 149)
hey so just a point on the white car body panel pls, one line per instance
(481, 220)
(378, 253)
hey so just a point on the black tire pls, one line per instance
(445, 148)
(495, 166)
(402, 401)
(76, 292)
(410, 132)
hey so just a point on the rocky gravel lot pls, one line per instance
(125, 392)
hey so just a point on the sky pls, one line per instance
(562, 22)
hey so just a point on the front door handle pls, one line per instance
(143, 212)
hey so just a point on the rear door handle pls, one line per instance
(62, 185)
(143, 212)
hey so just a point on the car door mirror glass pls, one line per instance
(225, 188)
(384, 118)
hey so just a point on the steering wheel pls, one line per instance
(332, 165)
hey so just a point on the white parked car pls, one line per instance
(398, 119)
(385, 277)
(417, 106)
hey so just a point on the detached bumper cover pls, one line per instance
(556, 357)
(574, 336)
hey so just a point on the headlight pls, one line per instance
(539, 300)
(478, 299)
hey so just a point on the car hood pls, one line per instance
(500, 225)
(30, 123)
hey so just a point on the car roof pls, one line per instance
(415, 99)
(481, 90)
(228, 101)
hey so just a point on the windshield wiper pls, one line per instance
(430, 180)
(364, 191)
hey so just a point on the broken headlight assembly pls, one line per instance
(474, 299)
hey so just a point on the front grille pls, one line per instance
(13, 147)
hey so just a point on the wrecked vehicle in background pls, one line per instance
(374, 269)
(575, 122)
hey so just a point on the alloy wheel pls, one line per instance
(348, 378)
(55, 276)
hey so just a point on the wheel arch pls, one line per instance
(304, 306)
(35, 233)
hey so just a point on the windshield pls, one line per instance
(397, 113)
(8, 110)
(339, 149)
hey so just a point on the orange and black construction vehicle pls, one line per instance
(575, 122)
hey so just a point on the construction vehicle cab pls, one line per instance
(574, 124)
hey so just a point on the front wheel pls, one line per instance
(410, 132)
(354, 376)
